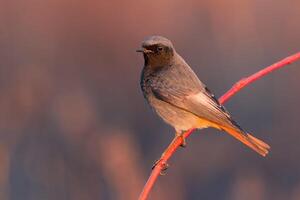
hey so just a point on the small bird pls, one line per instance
(177, 95)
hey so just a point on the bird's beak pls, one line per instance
(143, 50)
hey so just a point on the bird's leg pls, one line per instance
(180, 134)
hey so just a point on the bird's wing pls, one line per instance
(204, 104)
(201, 103)
(183, 89)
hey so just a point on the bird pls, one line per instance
(177, 95)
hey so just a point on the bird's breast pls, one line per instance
(146, 80)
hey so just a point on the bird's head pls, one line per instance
(157, 50)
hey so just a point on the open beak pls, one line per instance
(144, 50)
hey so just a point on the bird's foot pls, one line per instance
(183, 144)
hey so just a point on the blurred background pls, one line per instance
(74, 124)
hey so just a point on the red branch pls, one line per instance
(162, 163)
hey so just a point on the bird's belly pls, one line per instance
(180, 119)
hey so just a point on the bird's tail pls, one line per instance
(249, 140)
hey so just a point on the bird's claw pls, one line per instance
(183, 144)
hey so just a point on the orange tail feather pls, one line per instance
(249, 140)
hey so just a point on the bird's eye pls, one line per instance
(160, 48)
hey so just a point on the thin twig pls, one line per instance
(246, 81)
(162, 163)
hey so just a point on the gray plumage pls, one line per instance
(169, 85)
(180, 98)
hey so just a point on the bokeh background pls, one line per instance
(74, 124)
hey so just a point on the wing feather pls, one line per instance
(180, 87)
